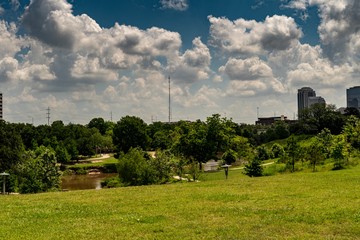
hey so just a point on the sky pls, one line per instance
(75, 60)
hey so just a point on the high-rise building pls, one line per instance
(353, 97)
(1, 107)
(303, 98)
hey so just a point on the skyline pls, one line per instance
(111, 59)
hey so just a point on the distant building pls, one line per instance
(303, 98)
(316, 100)
(306, 97)
(1, 107)
(272, 120)
(353, 97)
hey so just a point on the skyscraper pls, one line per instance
(353, 97)
(303, 98)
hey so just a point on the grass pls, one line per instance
(321, 205)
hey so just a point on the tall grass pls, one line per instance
(320, 205)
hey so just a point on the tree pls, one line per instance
(262, 153)
(130, 132)
(192, 142)
(11, 146)
(277, 150)
(241, 146)
(316, 153)
(99, 124)
(254, 168)
(352, 111)
(162, 164)
(220, 131)
(340, 153)
(135, 169)
(352, 132)
(229, 156)
(39, 172)
(292, 150)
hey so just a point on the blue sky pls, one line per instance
(103, 58)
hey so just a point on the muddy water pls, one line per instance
(82, 182)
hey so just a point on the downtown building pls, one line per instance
(353, 97)
(306, 98)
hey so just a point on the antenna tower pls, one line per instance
(48, 115)
(169, 101)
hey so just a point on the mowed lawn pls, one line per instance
(322, 205)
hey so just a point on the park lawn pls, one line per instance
(320, 205)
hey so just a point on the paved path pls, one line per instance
(98, 159)
(239, 168)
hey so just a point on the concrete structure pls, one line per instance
(353, 97)
(1, 107)
(316, 100)
(303, 98)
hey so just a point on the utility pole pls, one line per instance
(169, 101)
(48, 115)
(111, 116)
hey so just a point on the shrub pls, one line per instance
(254, 168)
(134, 169)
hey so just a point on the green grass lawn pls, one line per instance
(321, 205)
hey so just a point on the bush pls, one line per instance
(111, 183)
(254, 168)
(135, 170)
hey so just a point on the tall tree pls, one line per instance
(99, 124)
(11, 146)
(130, 132)
(292, 150)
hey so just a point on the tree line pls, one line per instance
(32, 153)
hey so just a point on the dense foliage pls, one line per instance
(181, 146)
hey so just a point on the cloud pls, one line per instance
(178, 5)
(52, 22)
(193, 65)
(250, 77)
(249, 69)
(339, 28)
(242, 37)
(297, 4)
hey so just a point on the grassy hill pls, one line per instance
(322, 205)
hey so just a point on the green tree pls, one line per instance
(130, 132)
(229, 156)
(135, 169)
(340, 153)
(292, 150)
(99, 124)
(39, 172)
(262, 153)
(11, 146)
(192, 142)
(162, 163)
(220, 131)
(277, 150)
(254, 168)
(316, 153)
